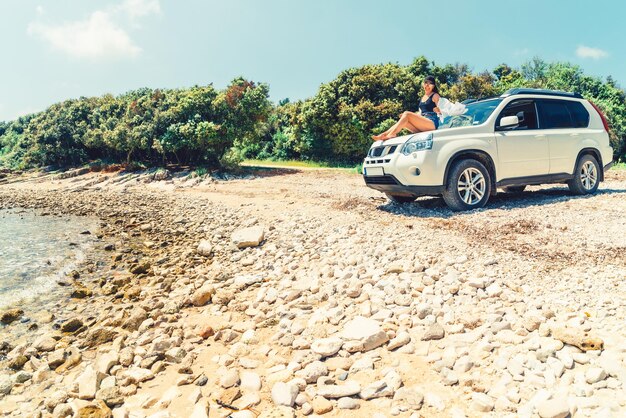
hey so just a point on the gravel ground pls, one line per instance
(348, 301)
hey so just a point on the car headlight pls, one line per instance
(418, 142)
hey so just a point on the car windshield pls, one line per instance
(476, 114)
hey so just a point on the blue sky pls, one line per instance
(59, 49)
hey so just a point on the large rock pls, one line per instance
(136, 317)
(71, 325)
(553, 408)
(111, 396)
(10, 315)
(18, 362)
(200, 409)
(406, 398)
(313, 371)
(365, 332)
(6, 384)
(45, 344)
(106, 361)
(327, 346)
(202, 295)
(96, 410)
(248, 237)
(579, 338)
(327, 389)
(434, 332)
(482, 402)
(89, 383)
(284, 393)
(98, 336)
(137, 375)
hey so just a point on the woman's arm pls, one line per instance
(436, 98)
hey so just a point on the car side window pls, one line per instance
(580, 116)
(525, 111)
(554, 114)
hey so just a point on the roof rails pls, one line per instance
(543, 92)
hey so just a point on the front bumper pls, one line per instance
(389, 184)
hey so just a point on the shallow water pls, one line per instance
(36, 252)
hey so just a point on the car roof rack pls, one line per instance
(542, 92)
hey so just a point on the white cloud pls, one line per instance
(588, 52)
(40, 10)
(98, 37)
(101, 35)
(521, 52)
(139, 8)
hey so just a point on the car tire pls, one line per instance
(468, 186)
(401, 199)
(514, 189)
(586, 176)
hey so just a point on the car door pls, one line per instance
(523, 150)
(561, 121)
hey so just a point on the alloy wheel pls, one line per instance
(472, 186)
(588, 175)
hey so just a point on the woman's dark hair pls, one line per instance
(431, 80)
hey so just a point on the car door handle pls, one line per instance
(542, 136)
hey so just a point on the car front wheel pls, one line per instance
(586, 176)
(468, 187)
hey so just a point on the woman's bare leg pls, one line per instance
(411, 121)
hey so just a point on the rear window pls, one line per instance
(555, 114)
(579, 114)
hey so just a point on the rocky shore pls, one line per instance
(291, 294)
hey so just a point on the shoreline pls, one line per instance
(187, 317)
(82, 254)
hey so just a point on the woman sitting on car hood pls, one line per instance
(425, 120)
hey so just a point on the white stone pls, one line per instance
(250, 381)
(347, 403)
(89, 383)
(327, 346)
(326, 389)
(205, 248)
(284, 393)
(478, 283)
(553, 408)
(248, 237)
(106, 361)
(313, 371)
(229, 378)
(201, 410)
(6, 384)
(494, 290)
(366, 332)
(403, 338)
(377, 389)
(137, 374)
(594, 374)
(482, 402)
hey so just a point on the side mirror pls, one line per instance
(508, 122)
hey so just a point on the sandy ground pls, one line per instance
(567, 251)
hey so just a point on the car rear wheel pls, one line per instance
(468, 187)
(586, 176)
(401, 199)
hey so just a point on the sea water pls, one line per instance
(37, 252)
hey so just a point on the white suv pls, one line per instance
(524, 137)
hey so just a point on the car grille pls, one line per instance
(382, 151)
(380, 180)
